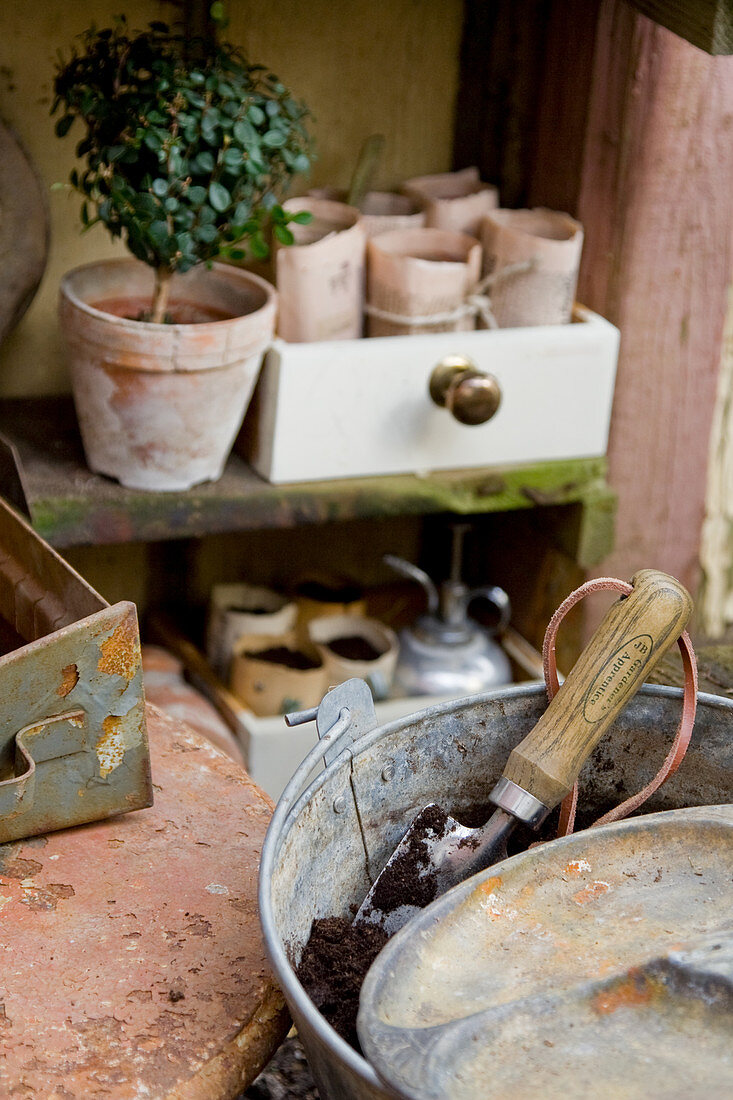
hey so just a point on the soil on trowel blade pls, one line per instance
(338, 954)
(333, 967)
(407, 879)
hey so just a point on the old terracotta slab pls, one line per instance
(130, 955)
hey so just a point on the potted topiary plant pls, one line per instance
(185, 155)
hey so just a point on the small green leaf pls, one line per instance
(203, 163)
(153, 141)
(283, 234)
(206, 233)
(274, 139)
(196, 195)
(160, 188)
(64, 125)
(159, 232)
(244, 131)
(219, 197)
(259, 247)
(256, 115)
(232, 157)
(303, 217)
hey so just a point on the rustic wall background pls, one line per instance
(390, 67)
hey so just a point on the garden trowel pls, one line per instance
(437, 852)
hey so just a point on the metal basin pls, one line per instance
(331, 834)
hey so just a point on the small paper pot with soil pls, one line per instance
(159, 405)
(316, 598)
(240, 609)
(272, 675)
(353, 646)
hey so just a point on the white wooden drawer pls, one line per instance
(352, 408)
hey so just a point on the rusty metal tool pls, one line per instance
(73, 738)
(437, 852)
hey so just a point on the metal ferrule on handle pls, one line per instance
(519, 803)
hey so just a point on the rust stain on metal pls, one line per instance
(491, 885)
(111, 745)
(69, 680)
(119, 653)
(576, 867)
(631, 991)
(591, 892)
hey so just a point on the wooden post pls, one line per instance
(655, 200)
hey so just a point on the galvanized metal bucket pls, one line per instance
(330, 834)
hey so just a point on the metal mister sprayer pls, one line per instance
(445, 652)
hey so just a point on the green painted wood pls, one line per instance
(707, 24)
(70, 506)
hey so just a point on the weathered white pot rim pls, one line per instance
(234, 274)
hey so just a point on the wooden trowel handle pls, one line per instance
(635, 633)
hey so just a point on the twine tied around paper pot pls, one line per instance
(420, 278)
(476, 304)
(553, 241)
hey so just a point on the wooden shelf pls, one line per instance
(43, 472)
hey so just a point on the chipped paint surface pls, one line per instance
(120, 653)
(69, 680)
(92, 710)
(111, 745)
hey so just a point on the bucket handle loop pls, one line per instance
(299, 781)
(684, 730)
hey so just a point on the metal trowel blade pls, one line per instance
(436, 853)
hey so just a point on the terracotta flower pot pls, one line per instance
(159, 405)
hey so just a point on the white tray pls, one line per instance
(357, 408)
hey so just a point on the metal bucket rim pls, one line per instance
(289, 807)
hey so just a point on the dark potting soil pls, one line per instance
(333, 966)
(252, 610)
(136, 308)
(353, 647)
(281, 655)
(338, 954)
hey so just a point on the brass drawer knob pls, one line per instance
(472, 396)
